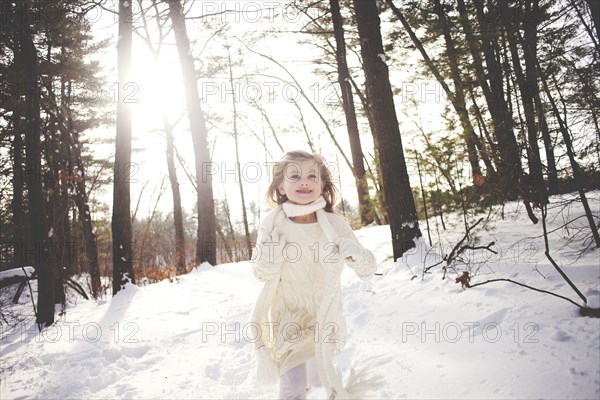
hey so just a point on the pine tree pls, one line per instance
(26, 57)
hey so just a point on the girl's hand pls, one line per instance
(272, 247)
(267, 257)
(350, 249)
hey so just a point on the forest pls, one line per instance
(137, 135)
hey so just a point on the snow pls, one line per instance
(427, 337)
(21, 271)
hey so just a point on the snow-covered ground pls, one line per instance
(427, 337)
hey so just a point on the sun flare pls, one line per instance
(158, 90)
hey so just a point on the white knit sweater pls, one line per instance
(299, 312)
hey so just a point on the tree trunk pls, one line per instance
(398, 194)
(230, 229)
(17, 204)
(424, 195)
(484, 132)
(595, 11)
(548, 146)
(37, 213)
(441, 201)
(83, 208)
(459, 102)
(237, 158)
(476, 50)
(534, 187)
(577, 174)
(66, 268)
(75, 179)
(54, 153)
(59, 216)
(121, 217)
(378, 203)
(207, 227)
(509, 167)
(530, 24)
(177, 211)
(362, 188)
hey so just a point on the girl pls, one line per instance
(300, 250)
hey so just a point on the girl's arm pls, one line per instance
(357, 257)
(267, 256)
(361, 260)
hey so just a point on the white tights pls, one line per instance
(294, 383)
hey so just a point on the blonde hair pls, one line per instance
(329, 192)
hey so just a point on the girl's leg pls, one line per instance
(292, 384)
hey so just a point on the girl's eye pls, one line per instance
(312, 177)
(295, 178)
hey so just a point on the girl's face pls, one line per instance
(302, 183)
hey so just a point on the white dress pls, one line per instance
(292, 311)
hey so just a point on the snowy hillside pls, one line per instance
(427, 337)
